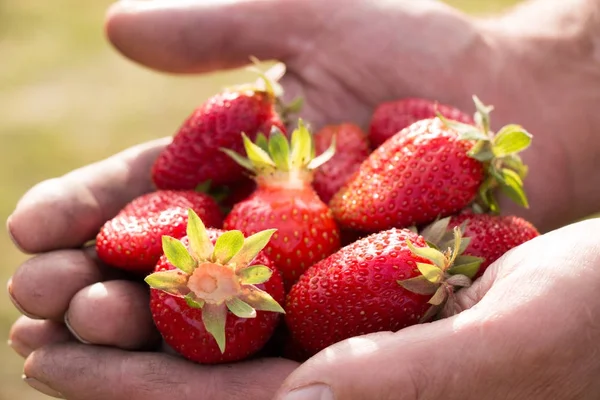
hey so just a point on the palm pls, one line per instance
(423, 49)
(343, 57)
(343, 73)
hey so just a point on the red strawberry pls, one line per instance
(391, 117)
(433, 168)
(351, 149)
(193, 157)
(382, 282)
(284, 199)
(350, 140)
(486, 236)
(215, 295)
(132, 239)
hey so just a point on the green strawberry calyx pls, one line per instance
(216, 278)
(499, 153)
(447, 269)
(264, 84)
(278, 162)
(268, 83)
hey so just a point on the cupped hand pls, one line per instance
(87, 332)
(528, 330)
(343, 57)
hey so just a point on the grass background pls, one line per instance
(67, 99)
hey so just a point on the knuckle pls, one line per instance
(418, 381)
(153, 376)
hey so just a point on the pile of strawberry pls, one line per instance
(260, 234)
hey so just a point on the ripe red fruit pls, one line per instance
(484, 235)
(284, 199)
(383, 282)
(433, 168)
(215, 295)
(351, 149)
(132, 239)
(193, 157)
(391, 117)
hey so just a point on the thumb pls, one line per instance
(418, 362)
(199, 36)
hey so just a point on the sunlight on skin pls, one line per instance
(358, 346)
(70, 53)
(97, 291)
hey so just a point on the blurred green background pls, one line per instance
(67, 99)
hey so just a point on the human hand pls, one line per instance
(341, 62)
(528, 330)
(524, 332)
(65, 283)
(346, 56)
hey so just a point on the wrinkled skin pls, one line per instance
(529, 327)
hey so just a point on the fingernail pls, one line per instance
(42, 387)
(20, 348)
(16, 303)
(313, 392)
(12, 237)
(73, 332)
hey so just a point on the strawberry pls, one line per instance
(485, 236)
(193, 156)
(434, 168)
(351, 149)
(215, 296)
(131, 239)
(391, 117)
(284, 199)
(383, 282)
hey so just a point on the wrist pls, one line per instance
(544, 74)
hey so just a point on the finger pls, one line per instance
(42, 287)
(403, 365)
(68, 211)
(27, 335)
(200, 36)
(83, 372)
(383, 366)
(114, 313)
(439, 359)
(468, 297)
